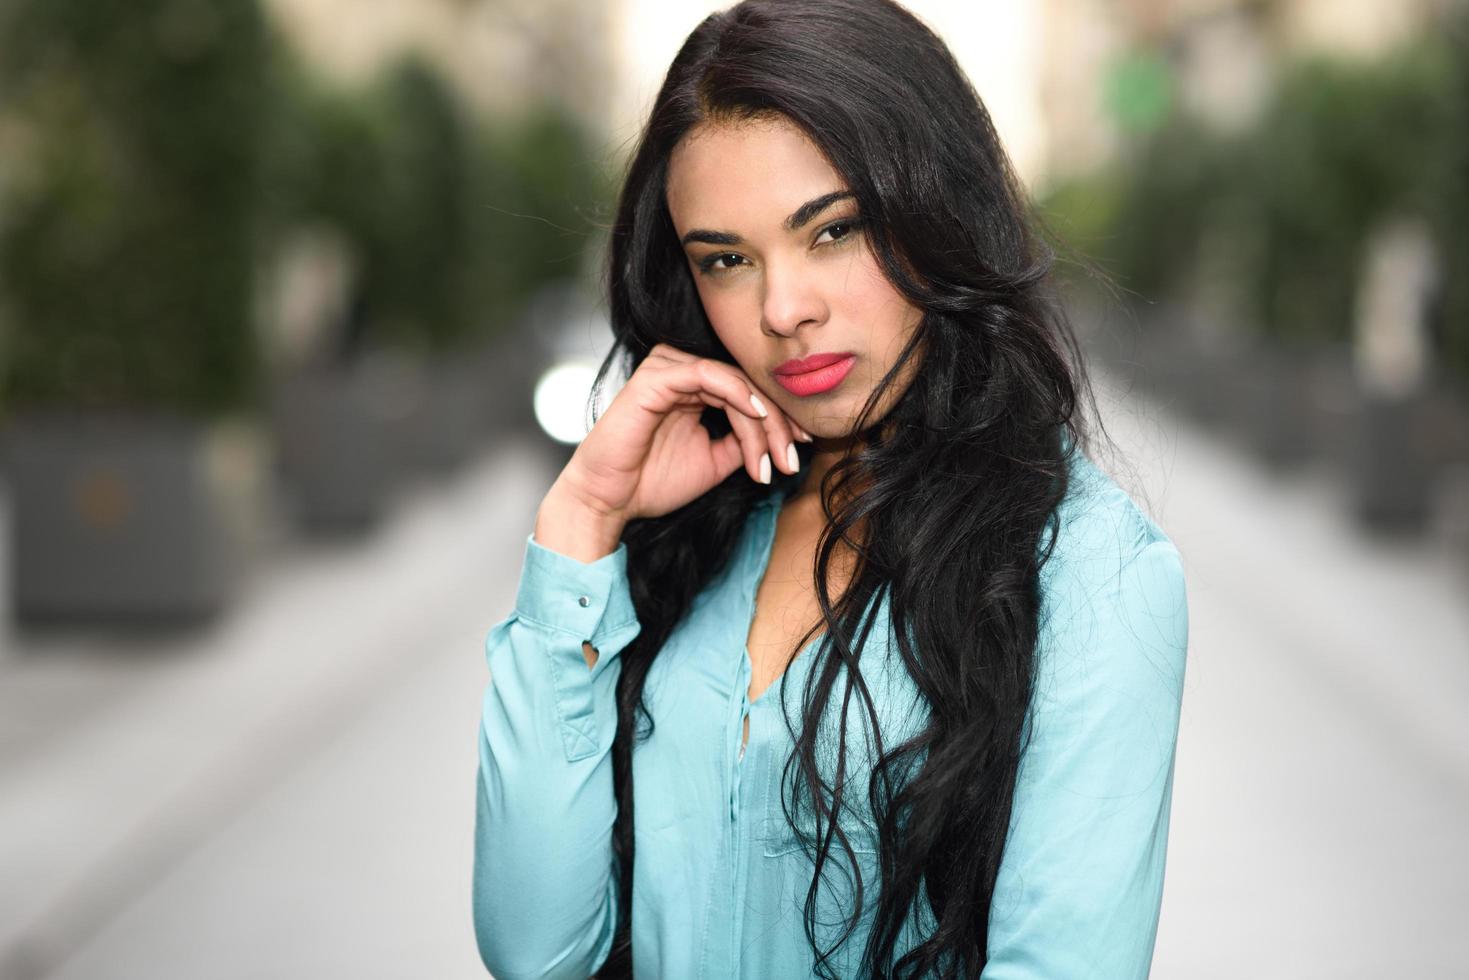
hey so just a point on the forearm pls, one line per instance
(544, 900)
(543, 852)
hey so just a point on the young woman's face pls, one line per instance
(775, 245)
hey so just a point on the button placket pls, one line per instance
(742, 685)
(744, 688)
(737, 824)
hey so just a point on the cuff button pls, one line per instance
(583, 601)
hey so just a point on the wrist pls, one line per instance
(570, 526)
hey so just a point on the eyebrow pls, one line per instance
(798, 219)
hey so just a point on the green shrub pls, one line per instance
(126, 228)
(1449, 197)
(417, 274)
(454, 221)
(544, 196)
(1343, 147)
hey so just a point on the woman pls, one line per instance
(833, 653)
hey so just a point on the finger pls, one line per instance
(747, 440)
(763, 434)
(702, 381)
(706, 376)
(780, 433)
(769, 443)
(667, 352)
(754, 443)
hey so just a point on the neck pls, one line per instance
(825, 454)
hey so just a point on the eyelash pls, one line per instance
(707, 265)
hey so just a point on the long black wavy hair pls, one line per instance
(953, 490)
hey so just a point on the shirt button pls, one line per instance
(583, 601)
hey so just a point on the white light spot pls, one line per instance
(561, 400)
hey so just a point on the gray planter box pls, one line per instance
(126, 517)
(449, 426)
(506, 368)
(1202, 381)
(1403, 450)
(1392, 466)
(340, 435)
(1270, 407)
(1190, 364)
(1334, 402)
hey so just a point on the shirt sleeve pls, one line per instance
(544, 889)
(1080, 884)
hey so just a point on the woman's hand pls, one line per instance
(648, 455)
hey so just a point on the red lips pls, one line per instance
(813, 363)
(819, 381)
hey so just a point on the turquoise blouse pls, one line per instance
(720, 878)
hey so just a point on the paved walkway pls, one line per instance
(290, 793)
(287, 795)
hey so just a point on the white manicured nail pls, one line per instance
(759, 406)
(764, 467)
(791, 457)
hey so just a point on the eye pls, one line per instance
(838, 230)
(720, 262)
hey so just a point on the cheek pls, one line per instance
(728, 314)
(870, 299)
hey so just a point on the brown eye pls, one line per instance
(838, 230)
(720, 262)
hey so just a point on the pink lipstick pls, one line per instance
(815, 374)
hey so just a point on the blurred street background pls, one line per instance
(299, 306)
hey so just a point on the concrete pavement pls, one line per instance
(289, 793)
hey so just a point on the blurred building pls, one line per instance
(997, 43)
(606, 60)
(500, 53)
(1110, 65)
(1065, 80)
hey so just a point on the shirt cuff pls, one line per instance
(586, 599)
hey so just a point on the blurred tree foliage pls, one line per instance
(1449, 212)
(554, 199)
(1283, 210)
(453, 221)
(1343, 147)
(126, 228)
(158, 152)
(420, 276)
(388, 168)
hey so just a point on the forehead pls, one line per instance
(745, 174)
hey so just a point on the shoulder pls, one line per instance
(1100, 532)
(1084, 858)
(1113, 591)
(1099, 520)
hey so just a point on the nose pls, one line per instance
(791, 300)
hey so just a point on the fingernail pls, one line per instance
(759, 406)
(764, 467)
(791, 457)
(802, 434)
